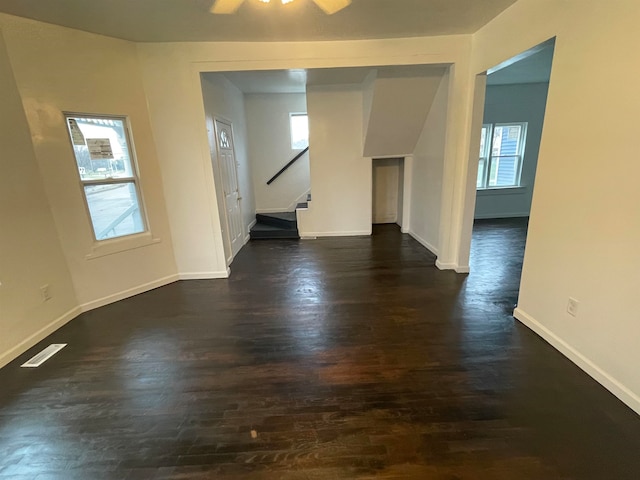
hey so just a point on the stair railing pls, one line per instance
(284, 169)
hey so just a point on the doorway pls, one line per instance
(388, 190)
(513, 116)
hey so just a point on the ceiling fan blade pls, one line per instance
(332, 6)
(225, 7)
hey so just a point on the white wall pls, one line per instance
(223, 99)
(397, 111)
(59, 69)
(341, 182)
(428, 167)
(269, 136)
(515, 103)
(30, 252)
(584, 227)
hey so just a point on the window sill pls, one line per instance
(122, 244)
(501, 191)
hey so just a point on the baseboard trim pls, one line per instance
(489, 216)
(359, 233)
(248, 235)
(592, 369)
(273, 210)
(423, 242)
(205, 275)
(445, 266)
(116, 297)
(40, 335)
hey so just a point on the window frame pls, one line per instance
(297, 114)
(488, 157)
(134, 179)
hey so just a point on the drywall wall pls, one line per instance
(428, 167)
(269, 136)
(57, 70)
(584, 228)
(515, 103)
(368, 86)
(172, 82)
(341, 181)
(223, 99)
(30, 253)
(397, 111)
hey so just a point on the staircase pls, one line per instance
(275, 225)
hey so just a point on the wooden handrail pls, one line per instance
(283, 169)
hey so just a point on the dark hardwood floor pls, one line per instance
(347, 358)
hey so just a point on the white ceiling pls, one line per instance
(296, 81)
(190, 20)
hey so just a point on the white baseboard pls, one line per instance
(248, 235)
(273, 210)
(452, 266)
(423, 242)
(445, 266)
(489, 216)
(592, 369)
(40, 335)
(359, 233)
(145, 287)
(204, 275)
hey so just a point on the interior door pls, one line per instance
(229, 175)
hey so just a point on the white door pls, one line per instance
(386, 176)
(229, 175)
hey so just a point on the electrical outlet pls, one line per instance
(572, 307)
(45, 292)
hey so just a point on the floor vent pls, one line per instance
(44, 355)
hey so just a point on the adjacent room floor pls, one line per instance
(343, 358)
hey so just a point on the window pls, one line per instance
(107, 171)
(501, 153)
(299, 130)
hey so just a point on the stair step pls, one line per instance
(281, 219)
(262, 231)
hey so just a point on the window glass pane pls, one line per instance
(100, 146)
(299, 131)
(114, 209)
(481, 173)
(504, 172)
(506, 140)
(483, 141)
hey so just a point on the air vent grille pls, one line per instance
(44, 355)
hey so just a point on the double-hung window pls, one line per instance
(107, 171)
(501, 153)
